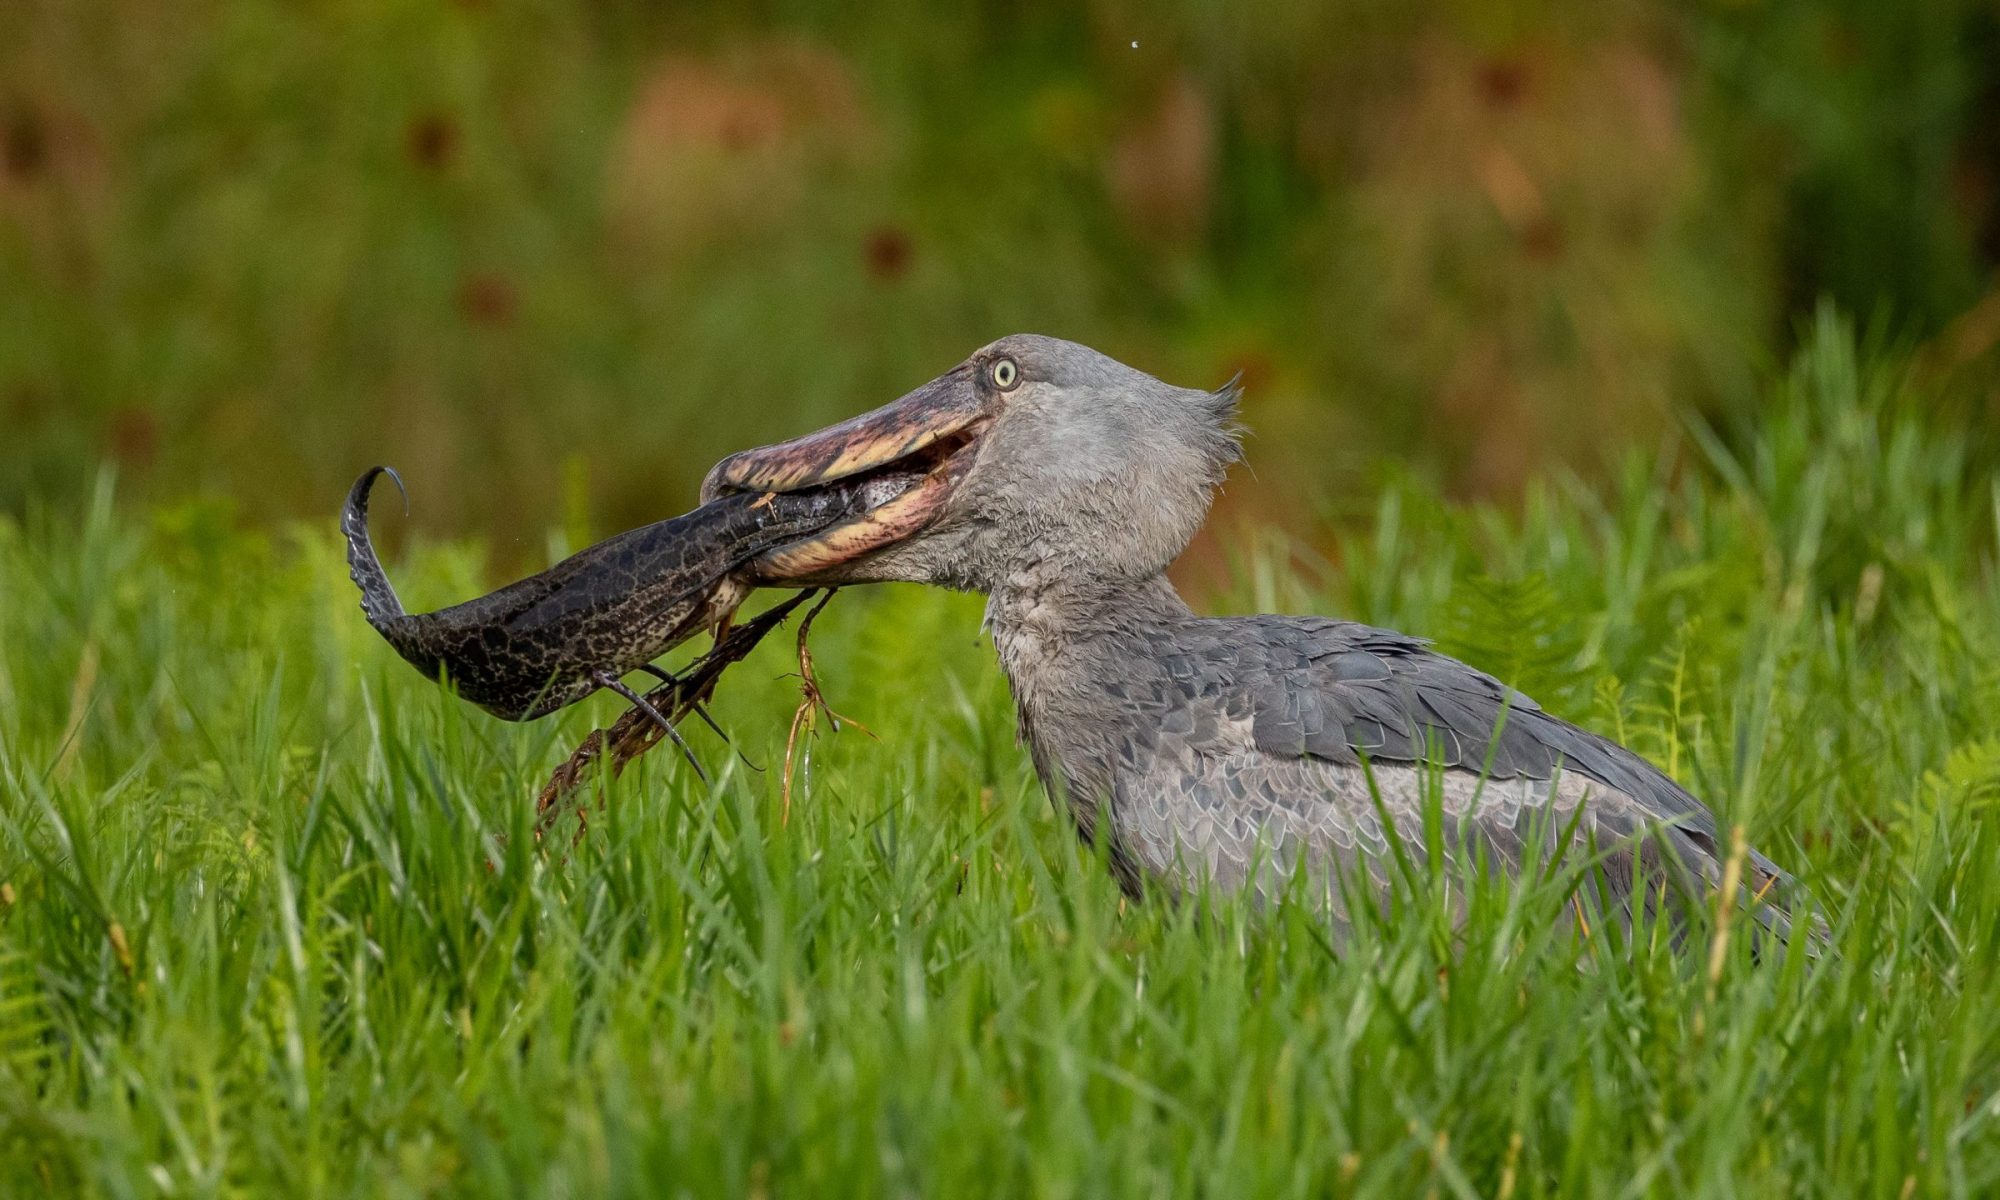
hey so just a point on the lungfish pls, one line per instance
(549, 640)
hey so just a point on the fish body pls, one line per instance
(547, 641)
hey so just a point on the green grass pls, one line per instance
(250, 942)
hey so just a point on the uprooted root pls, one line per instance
(635, 732)
(805, 721)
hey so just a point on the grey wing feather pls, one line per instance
(1285, 721)
(1414, 701)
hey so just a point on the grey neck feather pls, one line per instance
(1053, 633)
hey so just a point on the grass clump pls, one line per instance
(273, 917)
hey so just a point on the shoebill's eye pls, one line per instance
(1006, 374)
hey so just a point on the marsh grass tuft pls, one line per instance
(250, 942)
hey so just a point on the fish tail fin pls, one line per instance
(378, 597)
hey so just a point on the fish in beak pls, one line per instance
(905, 458)
(551, 639)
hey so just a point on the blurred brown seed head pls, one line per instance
(887, 252)
(132, 438)
(431, 141)
(1503, 82)
(488, 300)
(24, 145)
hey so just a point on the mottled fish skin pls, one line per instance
(544, 642)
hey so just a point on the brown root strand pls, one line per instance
(805, 720)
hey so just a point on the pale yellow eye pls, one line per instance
(1006, 374)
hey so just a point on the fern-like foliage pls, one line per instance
(1520, 631)
(25, 1026)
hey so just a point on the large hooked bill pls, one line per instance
(551, 639)
(903, 460)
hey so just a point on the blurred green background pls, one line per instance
(551, 260)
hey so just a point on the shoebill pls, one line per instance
(1225, 751)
